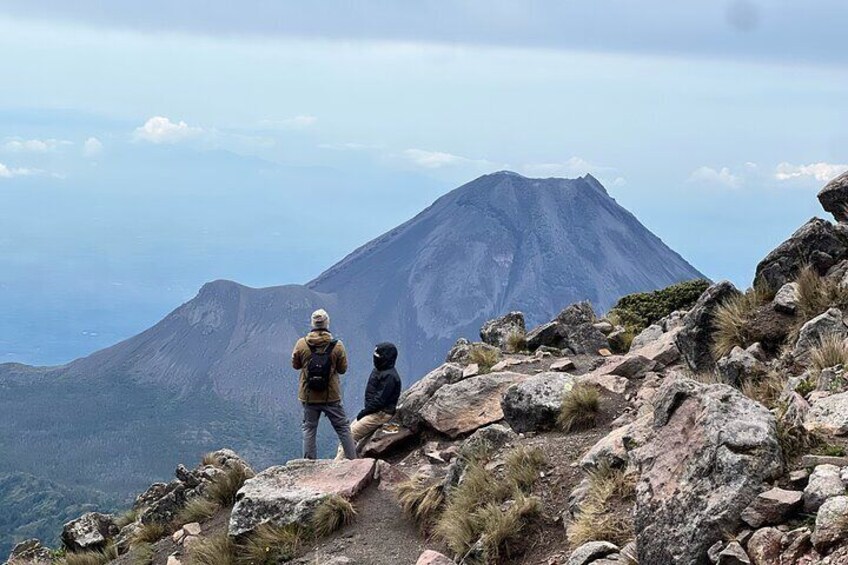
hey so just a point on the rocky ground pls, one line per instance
(699, 424)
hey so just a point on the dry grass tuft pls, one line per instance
(484, 357)
(197, 510)
(516, 342)
(523, 466)
(92, 557)
(420, 499)
(150, 533)
(708, 378)
(832, 350)
(217, 549)
(580, 407)
(333, 514)
(126, 518)
(764, 389)
(603, 515)
(731, 322)
(225, 485)
(141, 554)
(816, 294)
(501, 528)
(269, 545)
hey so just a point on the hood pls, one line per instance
(317, 338)
(385, 355)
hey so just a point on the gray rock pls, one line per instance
(564, 364)
(694, 339)
(30, 552)
(816, 460)
(738, 365)
(824, 482)
(463, 407)
(493, 437)
(733, 554)
(646, 336)
(415, 397)
(828, 323)
(90, 531)
(552, 334)
(772, 507)
(153, 493)
(577, 314)
(614, 448)
(590, 552)
(829, 415)
(663, 351)
(786, 299)
(604, 326)
(496, 332)
(764, 547)
(586, 340)
(534, 404)
(164, 510)
(459, 352)
(831, 523)
(289, 494)
(632, 366)
(834, 197)
(818, 243)
(710, 451)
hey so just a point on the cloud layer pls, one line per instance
(160, 129)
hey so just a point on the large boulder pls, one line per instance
(786, 299)
(614, 449)
(415, 397)
(694, 340)
(834, 197)
(551, 334)
(30, 552)
(534, 404)
(591, 552)
(829, 415)
(818, 243)
(738, 365)
(824, 482)
(289, 494)
(831, 523)
(710, 451)
(771, 508)
(386, 439)
(90, 531)
(497, 332)
(573, 329)
(165, 509)
(663, 350)
(829, 323)
(460, 408)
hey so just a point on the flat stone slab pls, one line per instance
(289, 494)
(385, 439)
(772, 507)
(470, 404)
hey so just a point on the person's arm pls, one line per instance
(390, 391)
(297, 359)
(341, 359)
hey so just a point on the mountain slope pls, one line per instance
(215, 370)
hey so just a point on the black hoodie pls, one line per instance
(383, 390)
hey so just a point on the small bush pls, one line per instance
(603, 514)
(832, 350)
(484, 357)
(150, 533)
(420, 499)
(731, 321)
(269, 545)
(141, 554)
(224, 486)
(639, 310)
(516, 342)
(197, 510)
(523, 465)
(333, 514)
(217, 549)
(580, 407)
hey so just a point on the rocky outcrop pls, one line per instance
(614, 449)
(818, 243)
(472, 403)
(824, 482)
(834, 197)
(738, 365)
(771, 508)
(498, 331)
(289, 494)
(90, 531)
(573, 330)
(695, 337)
(415, 397)
(829, 415)
(710, 451)
(534, 404)
(829, 323)
(591, 552)
(30, 552)
(786, 299)
(831, 523)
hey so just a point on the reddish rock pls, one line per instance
(431, 557)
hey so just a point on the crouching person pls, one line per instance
(381, 394)
(320, 360)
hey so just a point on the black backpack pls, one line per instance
(320, 367)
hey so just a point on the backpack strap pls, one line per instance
(330, 346)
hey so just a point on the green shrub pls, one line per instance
(639, 310)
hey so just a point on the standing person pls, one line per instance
(381, 394)
(320, 360)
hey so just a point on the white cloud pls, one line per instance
(8, 172)
(19, 145)
(160, 129)
(439, 159)
(708, 175)
(822, 172)
(92, 147)
(297, 122)
(572, 167)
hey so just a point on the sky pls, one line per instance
(147, 148)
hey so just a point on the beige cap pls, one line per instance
(320, 320)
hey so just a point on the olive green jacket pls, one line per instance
(300, 359)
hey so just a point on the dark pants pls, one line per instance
(336, 414)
